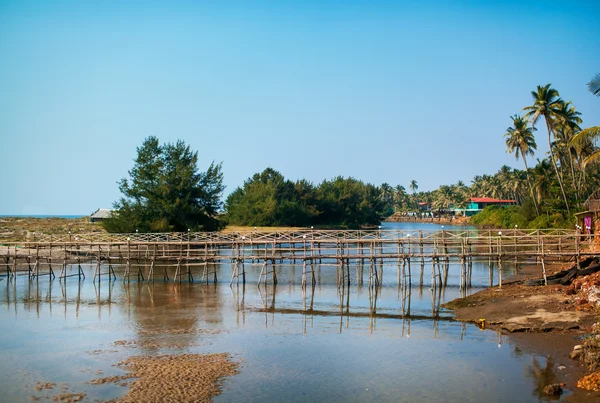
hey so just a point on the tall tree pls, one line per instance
(165, 191)
(567, 127)
(542, 174)
(590, 135)
(399, 196)
(520, 141)
(546, 104)
(414, 186)
(594, 85)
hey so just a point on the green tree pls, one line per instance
(542, 180)
(399, 197)
(566, 127)
(165, 191)
(547, 104)
(520, 141)
(414, 186)
(594, 85)
(268, 199)
(586, 138)
(387, 197)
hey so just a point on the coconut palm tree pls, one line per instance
(414, 186)
(591, 134)
(566, 128)
(594, 85)
(386, 194)
(542, 175)
(399, 196)
(520, 141)
(546, 104)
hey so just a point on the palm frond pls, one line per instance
(592, 158)
(585, 136)
(594, 85)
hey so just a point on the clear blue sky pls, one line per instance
(384, 91)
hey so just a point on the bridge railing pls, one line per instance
(398, 242)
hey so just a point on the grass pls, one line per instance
(23, 228)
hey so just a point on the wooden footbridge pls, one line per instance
(151, 255)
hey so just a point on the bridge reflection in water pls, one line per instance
(403, 296)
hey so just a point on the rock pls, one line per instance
(561, 367)
(553, 389)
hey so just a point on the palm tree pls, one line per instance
(546, 104)
(591, 134)
(386, 194)
(542, 174)
(586, 136)
(399, 196)
(567, 126)
(413, 187)
(520, 141)
(594, 85)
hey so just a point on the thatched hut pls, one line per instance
(589, 220)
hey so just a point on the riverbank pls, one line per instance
(544, 320)
(26, 228)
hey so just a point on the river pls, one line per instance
(392, 344)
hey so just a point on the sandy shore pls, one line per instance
(173, 378)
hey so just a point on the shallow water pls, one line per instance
(392, 343)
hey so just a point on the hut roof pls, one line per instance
(593, 202)
(101, 213)
(490, 200)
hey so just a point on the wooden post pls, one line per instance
(543, 265)
(500, 260)
(578, 250)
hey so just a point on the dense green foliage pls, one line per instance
(165, 192)
(268, 199)
(548, 193)
(521, 216)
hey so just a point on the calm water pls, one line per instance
(392, 344)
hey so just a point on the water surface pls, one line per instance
(388, 343)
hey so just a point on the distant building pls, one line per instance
(424, 206)
(476, 204)
(100, 214)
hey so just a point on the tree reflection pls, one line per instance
(542, 376)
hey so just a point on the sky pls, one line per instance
(383, 91)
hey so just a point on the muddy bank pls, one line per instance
(555, 321)
(518, 308)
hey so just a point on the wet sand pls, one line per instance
(172, 378)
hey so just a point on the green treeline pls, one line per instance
(166, 191)
(268, 199)
(555, 187)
